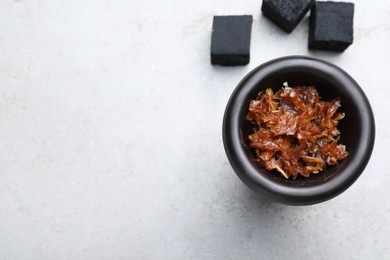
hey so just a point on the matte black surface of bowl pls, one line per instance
(357, 130)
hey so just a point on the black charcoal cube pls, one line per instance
(230, 40)
(286, 13)
(331, 26)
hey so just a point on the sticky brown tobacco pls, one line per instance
(295, 132)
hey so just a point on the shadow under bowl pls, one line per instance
(357, 130)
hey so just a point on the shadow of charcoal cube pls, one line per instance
(286, 13)
(331, 26)
(230, 40)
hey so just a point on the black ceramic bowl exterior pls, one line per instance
(357, 130)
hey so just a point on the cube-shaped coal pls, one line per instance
(286, 13)
(331, 26)
(230, 40)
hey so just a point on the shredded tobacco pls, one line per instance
(294, 131)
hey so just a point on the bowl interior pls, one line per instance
(328, 88)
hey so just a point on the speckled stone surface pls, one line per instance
(110, 137)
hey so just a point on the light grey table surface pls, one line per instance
(110, 137)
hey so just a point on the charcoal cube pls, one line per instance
(331, 26)
(286, 13)
(230, 40)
